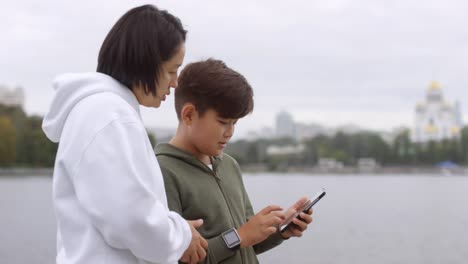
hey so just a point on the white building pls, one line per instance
(11, 97)
(326, 164)
(285, 126)
(436, 119)
(285, 150)
(367, 164)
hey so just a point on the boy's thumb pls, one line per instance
(196, 223)
(301, 202)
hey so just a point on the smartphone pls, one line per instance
(306, 207)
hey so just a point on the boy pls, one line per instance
(203, 182)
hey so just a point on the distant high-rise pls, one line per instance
(436, 119)
(285, 126)
(11, 97)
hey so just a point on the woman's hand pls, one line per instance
(196, 251)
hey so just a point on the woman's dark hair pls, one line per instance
(210, 84)
(138, 44)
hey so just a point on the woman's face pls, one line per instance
(167, 79)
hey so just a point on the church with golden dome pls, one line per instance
(435, 118)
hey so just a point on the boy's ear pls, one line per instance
(188, 114)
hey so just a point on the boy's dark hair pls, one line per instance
(210, 84)
(137, 45)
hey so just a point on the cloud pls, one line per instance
(329, 57)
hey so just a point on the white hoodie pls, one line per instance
(108, 191)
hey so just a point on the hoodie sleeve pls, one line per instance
(274, 239)
(112, 185)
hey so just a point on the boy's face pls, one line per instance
(210, 133)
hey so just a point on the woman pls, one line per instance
(108, 192)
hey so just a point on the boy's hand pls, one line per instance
(196, 251)
(299, 225)
(260, 226)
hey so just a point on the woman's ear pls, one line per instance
(188, 113)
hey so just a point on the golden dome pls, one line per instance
(435, 85)
(455, 130)
(431, 129)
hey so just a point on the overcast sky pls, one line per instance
(331, 62)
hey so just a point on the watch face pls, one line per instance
(231, 238)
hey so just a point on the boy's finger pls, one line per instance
(296, 230)
(270, 230)
(301, 225)
(279, 214)
(297, 233)
(290, 212)
(306, 218)
(270, 208)
(274, 221)
(301, 202)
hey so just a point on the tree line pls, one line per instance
(22, 141)
(349, 148)
(24, 144)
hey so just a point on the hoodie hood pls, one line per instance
(166, 149)
(70, 89)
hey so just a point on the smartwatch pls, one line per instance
(231, 238)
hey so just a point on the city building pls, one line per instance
(327, 164)
(367, 165)
(285, 125)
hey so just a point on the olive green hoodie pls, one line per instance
(215, 195)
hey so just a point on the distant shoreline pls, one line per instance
(387, 170)
(14, 172)
(26, 172)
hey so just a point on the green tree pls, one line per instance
(464, 145)
(7, 142)
(35, 148)
(252, 153)
(402, 148)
